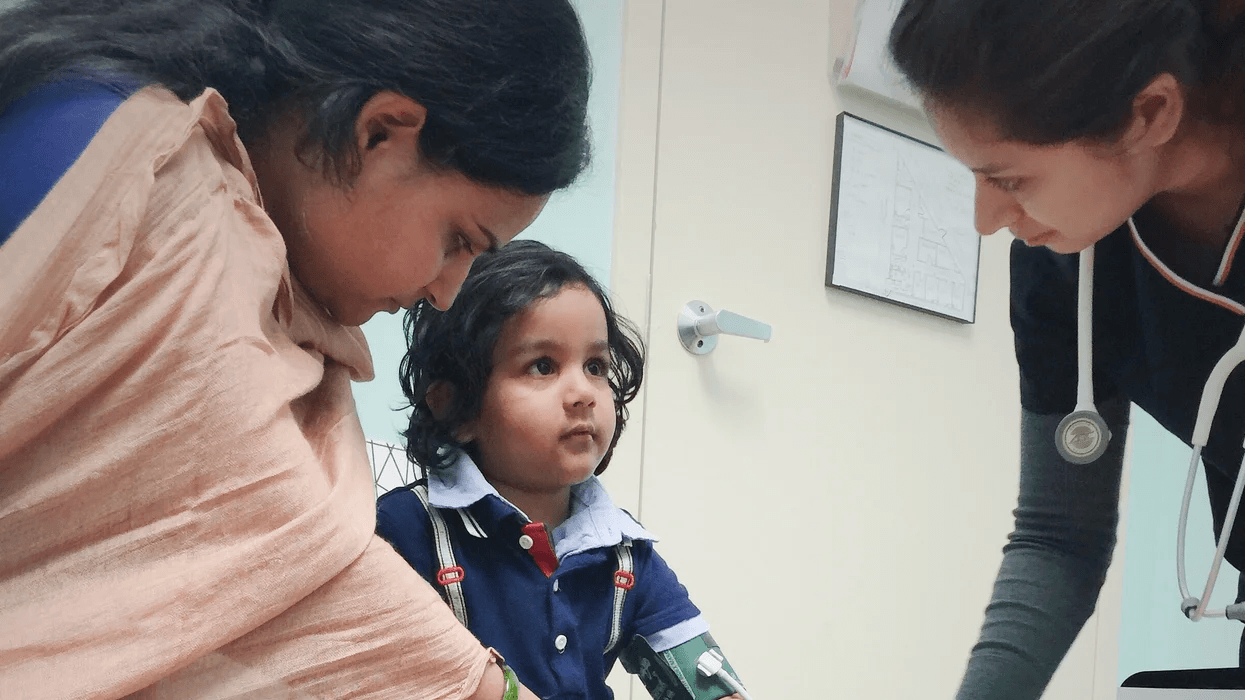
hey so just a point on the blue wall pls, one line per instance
(579, 220)
(1154, 634)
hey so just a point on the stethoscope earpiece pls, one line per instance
(1082, 437)
(1188, 606)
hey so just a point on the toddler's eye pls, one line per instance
(598, 367)
(543, 366)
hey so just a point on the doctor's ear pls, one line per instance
(1157, 111)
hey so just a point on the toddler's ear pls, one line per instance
(440, 399)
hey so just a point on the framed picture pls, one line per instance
(901, 222)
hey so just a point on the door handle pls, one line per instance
(699, 327)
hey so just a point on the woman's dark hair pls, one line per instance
(1051, 71)
(456, 346)
(505, 82)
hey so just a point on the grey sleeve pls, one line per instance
(1054, 564)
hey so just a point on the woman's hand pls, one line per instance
(493, 686)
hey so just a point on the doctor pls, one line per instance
(1117, 127)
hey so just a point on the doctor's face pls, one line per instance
(1065, 197)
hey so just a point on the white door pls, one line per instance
(835, 500)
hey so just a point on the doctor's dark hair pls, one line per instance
(505, 82)
(1052, 71)
(456, 346)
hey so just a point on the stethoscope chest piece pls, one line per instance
(1082, 437)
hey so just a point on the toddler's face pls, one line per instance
(547, 417)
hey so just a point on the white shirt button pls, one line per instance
(525, 542)
(559, 643)
(555, 585)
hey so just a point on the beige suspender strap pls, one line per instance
(450, 576)
(624, 580)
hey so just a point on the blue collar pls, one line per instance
(594, 521)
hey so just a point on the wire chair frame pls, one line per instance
(390, 467)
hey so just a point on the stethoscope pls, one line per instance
(1082, 436)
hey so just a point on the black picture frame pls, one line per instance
(930, 271)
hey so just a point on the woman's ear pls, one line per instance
(387, 131)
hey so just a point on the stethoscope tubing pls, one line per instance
(1194, 608)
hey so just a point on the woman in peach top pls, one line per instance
(200, 201)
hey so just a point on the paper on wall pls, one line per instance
(867, 65)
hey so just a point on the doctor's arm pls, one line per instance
(1054, 564)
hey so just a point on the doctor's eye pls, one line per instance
(1009, 185)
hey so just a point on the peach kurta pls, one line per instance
(186, 506)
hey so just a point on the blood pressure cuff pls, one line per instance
(671, 674)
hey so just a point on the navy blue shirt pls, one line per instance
(42, 134)
(515, 608)
(1154, 344)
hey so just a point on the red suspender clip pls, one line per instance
(624, 579)
(450, 574)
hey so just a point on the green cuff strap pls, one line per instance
(671, 674)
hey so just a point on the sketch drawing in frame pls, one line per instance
(901, 222)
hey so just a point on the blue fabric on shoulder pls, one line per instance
(43, 133)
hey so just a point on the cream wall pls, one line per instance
(835, 500)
